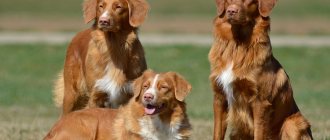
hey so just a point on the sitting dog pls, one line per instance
(156, 112)
(252, 92)
(101, 62)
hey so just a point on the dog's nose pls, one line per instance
(148, 97)
(104, 21)
(232, 10)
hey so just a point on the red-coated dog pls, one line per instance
(252, 92)
(101, 62)
(156, 112)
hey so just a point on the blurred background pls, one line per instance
(34, 35)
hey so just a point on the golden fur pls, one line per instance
(130, 122)
(101, 62)
(242, 66)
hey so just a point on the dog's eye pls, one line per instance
(101, 6)
(164, 87)
(145, 86)
(118, 7)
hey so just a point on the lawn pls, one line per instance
(195, 8)
(27, 73)
(165, 16)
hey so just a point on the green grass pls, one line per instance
(165, 16)
(27, 73)
(72, 8)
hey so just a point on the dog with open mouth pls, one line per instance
(156, 112)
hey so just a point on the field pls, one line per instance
(28, 70)
(165, 16)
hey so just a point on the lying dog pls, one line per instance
(156, 112)
(252, 92)
(102, 61)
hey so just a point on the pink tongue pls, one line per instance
(149, 111)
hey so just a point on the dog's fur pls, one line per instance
(101, 62)
(252, 92)
(158, 118)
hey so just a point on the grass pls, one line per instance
(171, 8)
(27, 72)
(165, 16)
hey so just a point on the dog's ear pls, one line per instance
(137, 87)
(181, 86)
(138, 10)
(89, 10)
(220, 6)
(266, 6)
(137, 84)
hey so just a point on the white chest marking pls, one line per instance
(225, 80)
(153, 88)
(111, 87)
(152, 128)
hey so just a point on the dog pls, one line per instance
(101, 62)
(156, 112)
(252, 92)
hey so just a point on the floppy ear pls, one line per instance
(266, 6)
(138, 10)
(220, 6)
(137, 84)
(182, 87)
(89, 9)
(137, 87)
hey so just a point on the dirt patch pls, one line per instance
(41, 24)
(318, 26)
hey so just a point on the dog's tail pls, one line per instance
(58, 91)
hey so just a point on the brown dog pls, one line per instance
(252, 92)
(102, 61)
(157, 111)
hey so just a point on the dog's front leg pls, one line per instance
(220, 108)
(97, 99)
(261, 116)
(220, 116)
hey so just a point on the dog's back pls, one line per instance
(75, 61)
(84, 125)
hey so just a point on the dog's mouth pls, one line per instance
(233, 20)
(237, 20)
(150, 109)
(107, 27)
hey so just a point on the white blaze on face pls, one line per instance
(105, 14)
(153, 88)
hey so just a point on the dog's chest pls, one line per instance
(238, 115)
(225, 79)
(106, 72)
(114, 83)
(152, 128)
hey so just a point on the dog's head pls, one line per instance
(244, 11)
(160, 92)
(112, 15)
